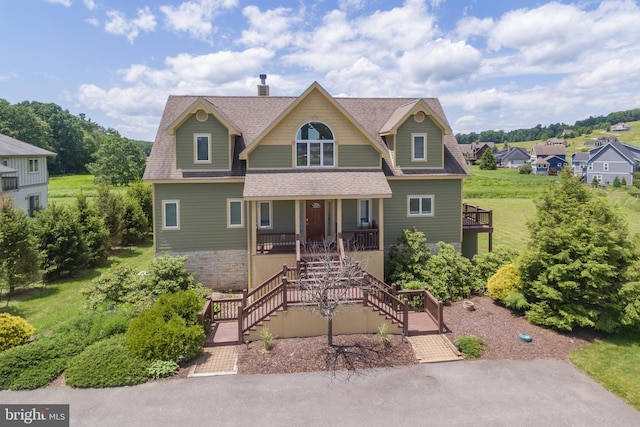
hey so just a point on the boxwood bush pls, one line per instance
(107, 363)
(168, 330)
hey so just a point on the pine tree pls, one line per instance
(487, 161)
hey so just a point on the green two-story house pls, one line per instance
(238, 181)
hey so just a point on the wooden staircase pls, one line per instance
(234, 318)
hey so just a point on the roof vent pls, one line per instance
(263, 87)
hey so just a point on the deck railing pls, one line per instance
(430, 305)
(286, 287)
(474, 216)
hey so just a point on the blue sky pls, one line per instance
(493, 64)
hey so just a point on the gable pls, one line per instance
(313, 106)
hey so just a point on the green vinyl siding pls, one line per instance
(271, 157)
(219, 144)
(358, 156)
(445, 224)
(350, 220)
(349, 215)
(284, 216)
(404, 143)
(203, 218)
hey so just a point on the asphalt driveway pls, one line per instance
(486, 393)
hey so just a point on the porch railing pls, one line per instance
(362, 239)
(268, 242)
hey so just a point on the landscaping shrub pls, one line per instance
(107, 363)
(487, 264)
(162, 368)
(38, 363)
(162, 333)
(168, 274)
(408, 257)
(471, 347)
(112, 288)
(505, 281)
(449, 274)
(141, 192)
(14, 331)
(616, 182)
(525, 169)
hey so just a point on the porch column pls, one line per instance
(297, 219)
(339, 216)
(381, 224)
(254, 227)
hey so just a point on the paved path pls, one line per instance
(478, 393)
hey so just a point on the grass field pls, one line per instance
(615, 363)
(64, 189)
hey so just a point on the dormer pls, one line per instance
(203, 138)
(415, 136)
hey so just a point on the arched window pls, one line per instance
(315, 146)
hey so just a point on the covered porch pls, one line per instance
(293, 213)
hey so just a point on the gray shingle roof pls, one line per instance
(6, 169)
(12, 147)
(341, 184)
(253, 115)
(543, 149)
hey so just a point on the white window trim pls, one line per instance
(424, 196)
(598, 178)
(37, 165)
(270, 225)
(360, 216)
(413, 147)
(229, 225)
(195, 148)
(590, 166)
(605, 167)
(164, 214)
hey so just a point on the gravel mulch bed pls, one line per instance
(499, 328)
(349, 353)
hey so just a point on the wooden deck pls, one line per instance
(226, 333)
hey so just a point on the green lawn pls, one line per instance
(615, 363)
(44, 307)
(64, 189)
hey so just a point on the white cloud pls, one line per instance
(194, 17)
(65, 3)
(89, 4)
(118, 23)
(270, 28)
(441, 61)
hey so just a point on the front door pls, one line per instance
(315, 220)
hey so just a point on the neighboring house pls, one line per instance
(558, 141)
(24, 174)
(511, 157)
(567, 132)
(615, 159)
(474, 151)
(620, 127)
(545, 156)
(579, 163)
(239, 183)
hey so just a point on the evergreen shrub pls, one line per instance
(14, 331)
(107, 363)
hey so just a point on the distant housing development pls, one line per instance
(607, 162)
(23, 174)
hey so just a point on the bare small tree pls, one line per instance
(329, 281)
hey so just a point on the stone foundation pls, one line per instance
(218, 270)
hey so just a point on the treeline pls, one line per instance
(581, 127)
(75, 139)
